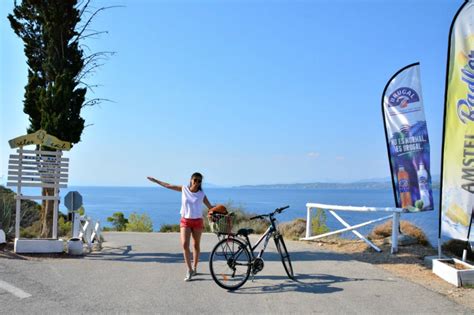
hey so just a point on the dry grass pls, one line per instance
(293, 230)
(385, 230)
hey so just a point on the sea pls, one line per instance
(163, 205)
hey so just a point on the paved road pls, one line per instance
(143, 273)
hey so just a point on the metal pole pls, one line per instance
(309, 226)
(76, 222)
(439, 248)
(395, 223)
(73, 215)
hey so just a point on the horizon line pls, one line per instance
(379, 181)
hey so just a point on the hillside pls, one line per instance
(30, 211)
(355, 186)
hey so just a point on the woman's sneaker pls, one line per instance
(189, 275)
(194, 272)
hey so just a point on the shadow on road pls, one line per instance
(127, 254)
(304, 283)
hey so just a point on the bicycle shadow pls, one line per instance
(303, 283)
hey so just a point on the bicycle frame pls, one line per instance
(266, 238)
(270, 232)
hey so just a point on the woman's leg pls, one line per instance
(196, 234)
(185, 236)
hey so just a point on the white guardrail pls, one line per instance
(395, 215)
(89, 231)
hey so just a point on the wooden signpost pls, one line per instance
(40, 169)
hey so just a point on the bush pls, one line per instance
(385, 230)
(242, 220)
(139, 223)
(32, 231)
(319, 222)
(7, 224)
(294, 229)
(169, 228)
(30, 212)
(118, 221)
(64, 227)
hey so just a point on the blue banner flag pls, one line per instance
(407, 140)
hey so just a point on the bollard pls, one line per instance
(75, 246)
(3, 238)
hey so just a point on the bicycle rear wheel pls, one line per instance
(230, 263)
(285, 257)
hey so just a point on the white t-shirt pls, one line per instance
(191, 203)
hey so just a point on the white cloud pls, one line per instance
(313, 155)
(340, 158)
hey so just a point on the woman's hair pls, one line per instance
(197, 175)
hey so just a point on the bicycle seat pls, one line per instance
(245, 232)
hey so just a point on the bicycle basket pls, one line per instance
(221, 223)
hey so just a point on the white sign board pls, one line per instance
(41, 169)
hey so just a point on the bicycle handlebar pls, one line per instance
(277, 210)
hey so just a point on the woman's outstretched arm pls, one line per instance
(166, 185)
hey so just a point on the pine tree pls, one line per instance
(54, 94)
(53, 98)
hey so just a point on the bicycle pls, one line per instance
(233, 260)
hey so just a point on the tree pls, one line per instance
(319, 222)
(119, 221)
(55, 92)
(139, 223)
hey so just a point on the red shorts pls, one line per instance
(192, 223)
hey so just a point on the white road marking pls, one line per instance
(13, 290)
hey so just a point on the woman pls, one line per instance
(191, 224)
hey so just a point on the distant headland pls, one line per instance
(369, 184)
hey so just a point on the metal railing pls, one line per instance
(332, 210)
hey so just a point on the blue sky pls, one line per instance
(246, 92)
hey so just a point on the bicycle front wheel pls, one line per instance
(285, 257)
(230, 263)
